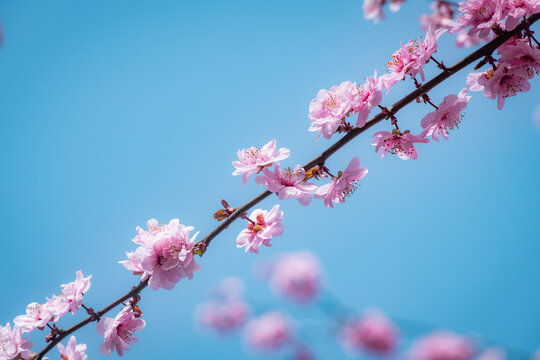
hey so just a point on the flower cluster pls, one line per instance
(165, 254)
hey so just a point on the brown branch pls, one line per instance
(485, 50)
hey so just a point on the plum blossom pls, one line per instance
(74, 291)
(518, 9)
(410, 59)
(118, 332)
(287, 183)
(441, 18)
(269, 332)
(57, 306)
(297, 276)
(133, 263)
(481, 15)
(517, 53)
(37, 316)
(72, 351)
(166, 253)
(263, 226)
(12, 345)
(330, 108)
(399, 143)
(343, 185)
(374, 333)
(446, 117)
(254, 159)
(370, 96)
(442, 345)
(500, 83)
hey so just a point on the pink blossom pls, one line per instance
(398, 143)
(12, 345)
(118, 332)
(133, 263)
(441, 18)
(166, 254)
(373, 10)
(343, 185)
(269, 332)
(73, 292)
(481, 16)
(57, 306)
(72, 351)
(446, 117)
(264, 225)
(500, 84)
(442, 346)
(517, 53)
(254, 159)
(410, 59)
(297, 276)
(287, 183)
(223, 317)
(370, 96)
(37, 316)
(518, 9)
(493, 353)
(330, 108)
(374, 332)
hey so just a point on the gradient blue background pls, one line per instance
(115, 112)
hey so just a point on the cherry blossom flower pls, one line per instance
(492, 353)
(343, 185)
(254, 159)
(481, 15)
(410, 59)
(269, 332)
(446, 117)
(12, 345)
(441, 18)
(72, 351)
(374, 332)
(516, 53)
(287, 183)
(264, 225)
(223, 317)
(370, 96)
(166, 254)
(73, 292)
(57, 306)
(134, 264)
(330, 108)
(442, 345)
(373, 10)
(37, 316)
(398, 143)
(118, 332)
(297, 276)
(500, 84)
(518, 9)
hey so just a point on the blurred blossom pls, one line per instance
(297, 276)
(442, 345)
(492, 353)
(269, 332)
(228, 312)
(374, 332)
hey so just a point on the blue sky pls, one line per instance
(116, 112)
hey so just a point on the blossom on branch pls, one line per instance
(446, 117)
(74, 291)
(254, 159)
(517, 53)
(297, 276)
(37, 316)
(343, 185)
(399, 143)
(370, 96)
(13, 345)
(287, 183)
(263, 226)
(518, 9)
(373, 332)
(72, 351)
(165, 253)
(482, 16)
(118, 332)
(442, 345)
(269, 332)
